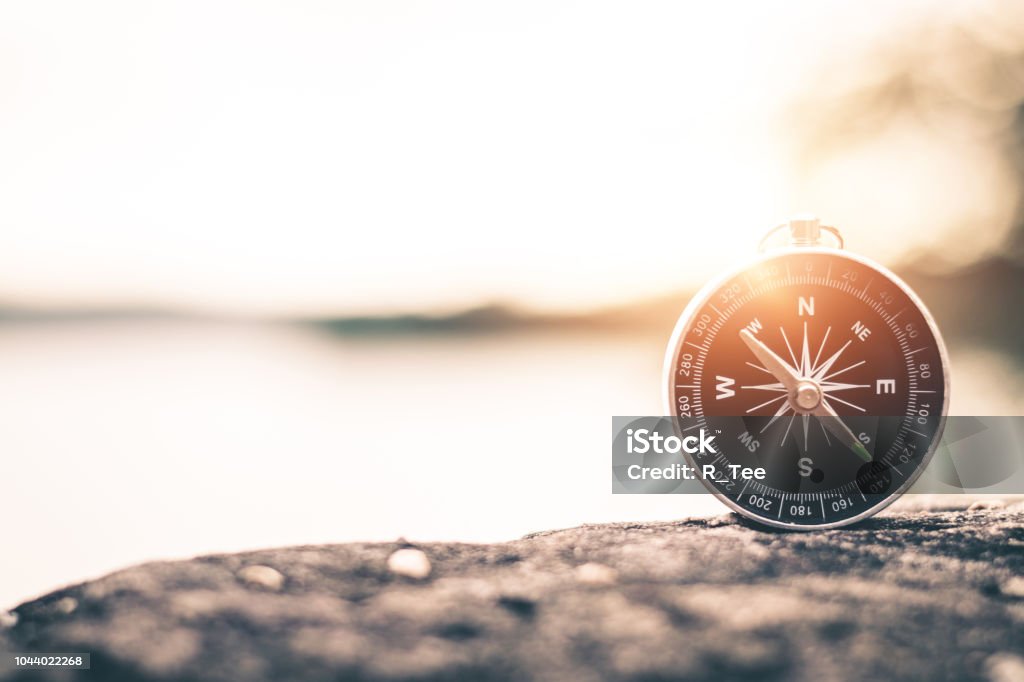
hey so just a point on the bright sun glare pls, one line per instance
(308, 158)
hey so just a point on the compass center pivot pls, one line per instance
(807, 396)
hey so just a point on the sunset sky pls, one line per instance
(279, 158)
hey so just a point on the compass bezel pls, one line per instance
(704, 295)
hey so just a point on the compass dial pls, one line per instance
(821, 368)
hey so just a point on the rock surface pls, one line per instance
(919, 595)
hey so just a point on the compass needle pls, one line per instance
(786, 375)
(831, 421)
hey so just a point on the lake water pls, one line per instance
(136, 440)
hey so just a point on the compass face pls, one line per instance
(819, 367)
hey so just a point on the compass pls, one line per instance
(817, 365)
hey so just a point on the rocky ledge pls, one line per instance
(916, 595)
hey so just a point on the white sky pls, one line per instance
(332, 157)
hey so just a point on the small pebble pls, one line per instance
(412, 563)
(1014, 587)
(1005, 667)
(596, 574)
(66, 605)
(985, 505)
(8, 619)
(262, 576)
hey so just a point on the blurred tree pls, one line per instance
(956, 79)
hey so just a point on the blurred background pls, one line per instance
(274, 272)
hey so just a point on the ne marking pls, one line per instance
(696, 346)
(917, 351)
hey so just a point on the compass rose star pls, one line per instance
(804, 388)
(811, 369)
